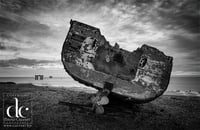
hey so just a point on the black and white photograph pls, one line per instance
(100, 64)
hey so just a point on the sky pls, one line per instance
(32, 32)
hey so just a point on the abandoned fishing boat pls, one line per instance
(141, 75)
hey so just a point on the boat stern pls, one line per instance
(153, 72)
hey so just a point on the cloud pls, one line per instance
(29, 63)
(12, 46)
(186, 43)
(35, 30)
(4, 45)
(180, 14)
(25, 27)
(21, 6)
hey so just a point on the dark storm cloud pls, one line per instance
(19, 24)
(180, 13)
(20, 6)
(5, 36)
(187, 51)
(172, 13)
(188, 44)
(2, 46)
(5, 45)
(169, 14)
(28, 26)
(44, 5)
(15, 44)
(24, 62)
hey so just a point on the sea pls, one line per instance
(54, 81)
(176, 83)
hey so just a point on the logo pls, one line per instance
(17, 110)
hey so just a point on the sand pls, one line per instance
(51, 112)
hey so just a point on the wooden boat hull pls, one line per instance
(141, 75)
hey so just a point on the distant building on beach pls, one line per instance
(39, 77)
